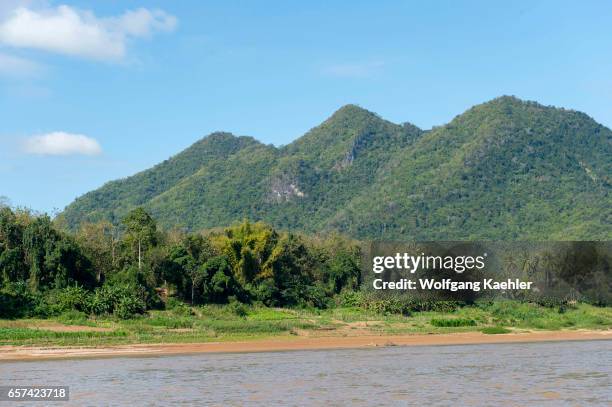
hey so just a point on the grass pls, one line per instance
(74, 318)
(494, 330)
(45, 337)
(221, 323)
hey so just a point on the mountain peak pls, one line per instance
(513, 108)
(507, 99)
(219, 135)
(352, 108)
(505, 103)
(511, 101)
(351, 112)
(224, 142)
(337, 135)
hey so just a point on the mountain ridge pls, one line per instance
(504, 169)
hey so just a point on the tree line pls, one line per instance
(128, 268)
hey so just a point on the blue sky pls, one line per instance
(92, 91)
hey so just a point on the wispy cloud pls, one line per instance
(61, 143)
(14, 66)
(80, 33)
(353, 70)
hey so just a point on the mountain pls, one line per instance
(505, 169)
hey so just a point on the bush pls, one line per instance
(129, 306)
(142, 280)
(178, 307)
(349, 298)
(238, 308)
(401, 304)
(68, 299)
(389, 306)
(452, 322)
(316, 297)
(550, 301)
(442, 306)
(494, 330)
(123, 300)
(18, 301)
(73, 317)
(103, 300)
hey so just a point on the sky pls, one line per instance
(96, 90)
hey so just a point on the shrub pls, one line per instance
(18, 301)
(103, 300)
(401, 304)
(129, 306)
(452, 322)
(494, 330)
(388, 306)
(316, 297)
(443, 306)
(73, 317)
(68, 299)
(238, 308)
(550, 301)
(348, 298)
(143, 280)
(178, 307)
(123, 300)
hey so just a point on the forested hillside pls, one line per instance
(506, 169)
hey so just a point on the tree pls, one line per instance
(290, 267)
(198, 250)
(53, 259)
(67, 264)
(186, 259)
(344, 271)
(141, 231)
(99, 240)
(216, 281)
(247, 247)
(12, 264)
(38, 238)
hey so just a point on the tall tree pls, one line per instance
(99, 241)
(186, 259)
(141, 231)
(12, 263)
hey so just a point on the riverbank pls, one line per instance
(253, 328)
(25, 353)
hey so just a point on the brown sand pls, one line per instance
(295, 343)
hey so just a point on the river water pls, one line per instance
(560, 373)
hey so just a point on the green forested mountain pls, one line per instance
(506, 169)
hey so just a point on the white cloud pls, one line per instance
(354, 70)
(143, 22)
(69, 31)
(19, 67)
(60, 143)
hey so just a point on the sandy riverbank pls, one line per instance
(294, 343)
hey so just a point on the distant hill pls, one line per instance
(505, 169)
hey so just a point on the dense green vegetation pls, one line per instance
(124, 271)
(506, 169)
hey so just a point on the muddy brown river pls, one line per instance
(555, 374)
